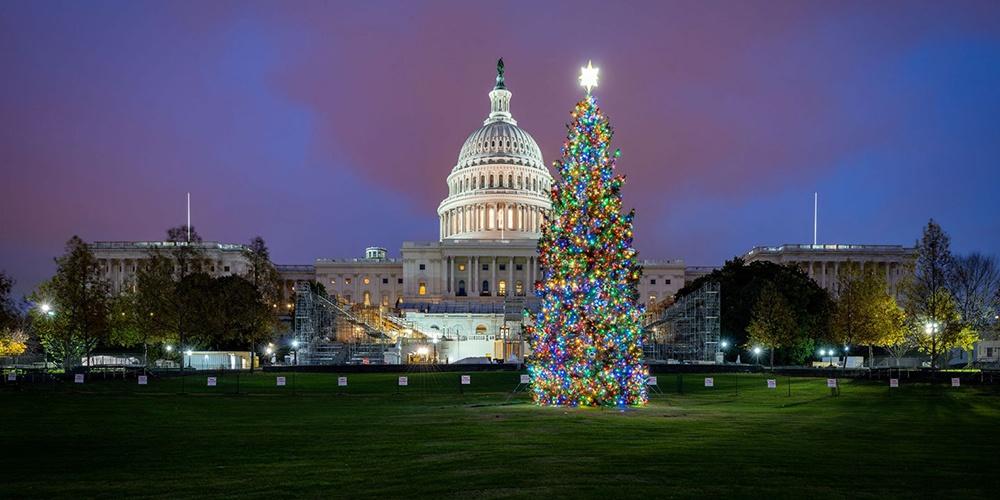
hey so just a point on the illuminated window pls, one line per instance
(461, 267)
(502, 287)
(333, 281)
(367, 281)
(481, 330)
(385, 300)
(518, 288)
(367, 300)
(422, 288)
(347, 281)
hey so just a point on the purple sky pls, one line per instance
(326, 127)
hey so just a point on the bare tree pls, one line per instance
(975, 284)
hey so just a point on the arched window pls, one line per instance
(481, 330)
(502, 287)
(482, 181)
(520, 182)
(491, 180)
(461, 288)
(486, 287)
(510, 180)
(422, 288)
(518, 288)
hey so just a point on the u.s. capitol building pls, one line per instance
(466, 290)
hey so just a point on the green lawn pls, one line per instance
(116, 439)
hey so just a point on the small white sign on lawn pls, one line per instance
(709, 382)
(466, 379)
(894, 382)
(956, 382)
(280, 381)
(772, 383)
(143, 379)
(12, 377)
(831, 383)
(211, 381)
(341, 381)
(651, 381)
(525, 379)
(404, 381)
(78, 378)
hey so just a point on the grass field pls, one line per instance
(372, 439)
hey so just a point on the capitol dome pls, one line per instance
(499, 187)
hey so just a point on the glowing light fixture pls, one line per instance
(588, 76)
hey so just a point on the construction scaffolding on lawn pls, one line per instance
(688, 330)
(331, 332)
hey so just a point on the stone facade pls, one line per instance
(119, 260)
(824, 263)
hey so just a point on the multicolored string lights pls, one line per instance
(586, 340)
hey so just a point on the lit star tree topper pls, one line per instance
(586, 339)
(588, 76)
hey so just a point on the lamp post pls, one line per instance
(756, 355)
(295, 351)
(723, 346)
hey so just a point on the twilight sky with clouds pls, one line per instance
(326, 127)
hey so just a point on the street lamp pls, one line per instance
(295, 351)
(46, 309)
(756, 354)
(188, 352)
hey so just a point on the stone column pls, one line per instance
(510, 276)
(531, 272)
(475, 274)
(493, 282)
(471, 282)
(450, 273)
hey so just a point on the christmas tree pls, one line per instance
(586, 340)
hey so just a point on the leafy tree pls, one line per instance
(186, 251)
(13, 342)
(79, 300)
(935, 321)
(243, 318)
(865, 313)
(941, 329)
(131, 327)
(741, 286)
(8, 313)
(261, 272)
(773, 324)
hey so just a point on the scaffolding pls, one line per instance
(688, 330)
(331, 332)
